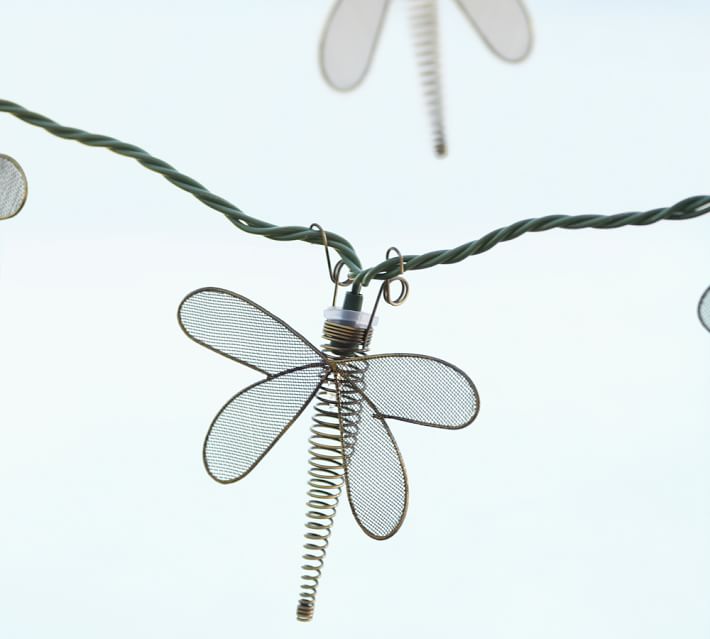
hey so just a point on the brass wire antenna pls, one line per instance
(352, 32)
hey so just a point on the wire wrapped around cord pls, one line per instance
(686, 209)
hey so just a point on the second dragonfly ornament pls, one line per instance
(353, 29)
(351, 445)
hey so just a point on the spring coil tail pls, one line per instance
(425, 30)
(326, 474)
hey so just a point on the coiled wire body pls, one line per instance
(425, 31)
(327, 457)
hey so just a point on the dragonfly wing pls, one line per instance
(349, 40)
(238, 328)
(374, 470)
(704, 309)
(253, 420)
(504, 25)
(418, 389)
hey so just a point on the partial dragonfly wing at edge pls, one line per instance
(252, 421)
(504, 25)
(704, 309)
(349, 40)
(240, 329)
(418, 389)
(374, 470)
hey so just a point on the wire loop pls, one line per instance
(324, 241)
(385, 290)
(333, 272)
(335, 276)
(386, 285)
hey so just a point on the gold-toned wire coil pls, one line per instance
(334, 430)
(425, 30)
(342, 338)
(327, 457)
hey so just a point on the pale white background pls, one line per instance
(576, 506)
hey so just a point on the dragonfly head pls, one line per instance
(347, 329)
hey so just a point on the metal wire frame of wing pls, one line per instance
(358, 393)
(251, 422)
(412, 388)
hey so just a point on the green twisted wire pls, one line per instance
(687, 209)
(236, 216)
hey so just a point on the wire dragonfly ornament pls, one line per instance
(351, 445)
(353, 29)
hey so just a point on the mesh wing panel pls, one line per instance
(704, 309)
(419, 389)
(13, 187)
(374, 470)
(503, 24)
(252, 421)
(349, 40)
(241, 330)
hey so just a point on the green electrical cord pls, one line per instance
(684, 210)
(687, 209)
